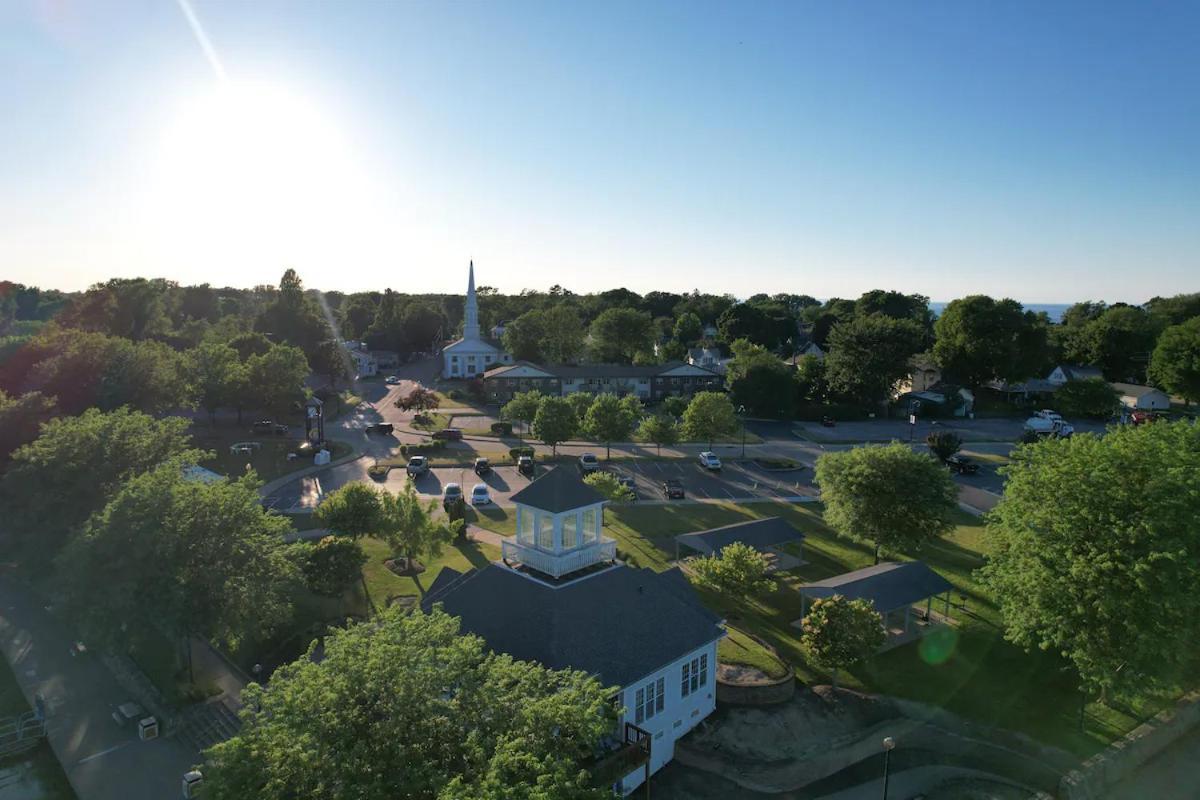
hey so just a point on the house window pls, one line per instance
(545, 532)
(453, 359)
(660, 697)
(695, 675)
(686, 688)
(638, 705)
(649, 700)
(570, 531)
(704, 669)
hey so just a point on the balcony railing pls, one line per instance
(558, 564)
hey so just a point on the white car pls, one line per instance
(709, 460)
(391, 380)
(479, 495)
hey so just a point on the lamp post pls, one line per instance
(889, 744)
(742, 417)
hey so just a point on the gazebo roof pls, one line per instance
(888, 586)
(560, 489)
(759, 534)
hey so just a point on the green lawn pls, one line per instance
(384, 585)
(740, 648)
(971, 670)
(269, 461)
(36, 773)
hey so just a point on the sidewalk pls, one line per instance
(103, 761)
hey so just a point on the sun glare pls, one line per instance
(256, 174)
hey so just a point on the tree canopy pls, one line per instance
(980, 339)
(1088, 397)
(1092, 552)
(709, 415)
(619, 334)
(869, 354)
(737, 570)
(555, 421)
(408, 706)
(886, 495)
(608, 420)
(840, 633)
(659, 430)
(1175, 365)
(401, 519)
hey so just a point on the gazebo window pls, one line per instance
(524, 526)
(545, 531)
(570, 531)
(591, 525)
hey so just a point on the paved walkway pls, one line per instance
(103, 761)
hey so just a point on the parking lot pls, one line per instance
(737, 480)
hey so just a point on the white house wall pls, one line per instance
(679, 715)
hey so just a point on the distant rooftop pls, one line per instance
(888, 586)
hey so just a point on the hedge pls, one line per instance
(516, 452)
(422, 448)
(502, 428)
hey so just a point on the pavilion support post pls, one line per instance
(907, 614)
(929, 609)
(947, 606)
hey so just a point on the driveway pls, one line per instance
(103, 761)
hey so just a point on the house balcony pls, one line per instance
(556, 565)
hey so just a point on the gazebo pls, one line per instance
(764, 535)
(892, 587)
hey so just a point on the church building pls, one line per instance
(471, 356)
(560, 597)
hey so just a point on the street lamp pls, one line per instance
(889, 744)
(742, 417)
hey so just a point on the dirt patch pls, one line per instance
(741, 675)
(405, 569)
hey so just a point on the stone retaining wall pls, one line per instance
(1123, 757)
(766, 693)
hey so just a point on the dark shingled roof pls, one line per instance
(759, 534)
(560, 489)
(603, 370)
(888, 586)
(619, 625)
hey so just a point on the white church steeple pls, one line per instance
(471, 311)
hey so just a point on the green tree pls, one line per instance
(943, 444)
(1119, 342)
(659, 429)
(886, 495)
(674, 406)
(759, 381)
(869, 354)
(608, 420)
(619, 334)
(330, 565)
(292, 316)
(709, 415)
(275, 380)
(738, 571)
(562, 336)
(332, 361)
(688, 329)
(1093, 552)
(357, 314)
(980, 339)
(555, 421)
(580, 403)
(20, 420)
(840, 633)
(1090, 397)
(250, 344)
(522, 407)
(1175, 365)
(214, 379)
(419, 399)
(87, 459)
(523, 336)
(440, 722)
(607, 484)
(811, 386)
(402, 520)
(185, 557)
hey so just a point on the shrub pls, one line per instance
(422, 448)
(943, 444)
(502, 428)
(454, 394)
(516, 452)
(379, 471)
(475, 389)
(607, 484)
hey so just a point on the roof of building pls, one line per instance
(620, 624)
(1134, 390)
(560, 489)
(888, 586)
(201, 474)
(472, 346)
(605, 370)
(1075, 372)
(759, 534)
(1035, 385)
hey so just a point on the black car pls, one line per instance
(380, 427)
(482, 466)
(673, 489)
(263, 426)
(525, 466)
(448, 435)
(962, 465)
(629, 484)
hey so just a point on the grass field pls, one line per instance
(971, 670)
(269, 460)
(36, 773)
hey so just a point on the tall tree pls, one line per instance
(840, 633)
(562, 337)
(660, 430)
(709, 415)
(688, 328)
(555, 421)
(1119, 342)
(980, 339)
(21, 418)
(621, 333)
(608, 421)
(1175, 365)
(409, 706)
(402, 520)
(292, 317)
(213, 373)
(522, 407)
(761, 382)
(87, 459)
(887, 496)
(1093, 552)
(737, 571)
(869, 354)
(357, 314)
(1090, 397)
(330, 565)
(276, 378)
(185, 557)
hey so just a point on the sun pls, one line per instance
(254, 173)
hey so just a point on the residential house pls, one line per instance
(471, 356)
(1072, 372)
(810, 348)
(1141, 398)
(709, 331)
(648, 382)
(365, 365)
(498, 330)
(710, 358)
(560, 597)
(924, 375)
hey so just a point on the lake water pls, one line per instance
(1053, 310)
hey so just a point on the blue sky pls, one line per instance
(1049, 152)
